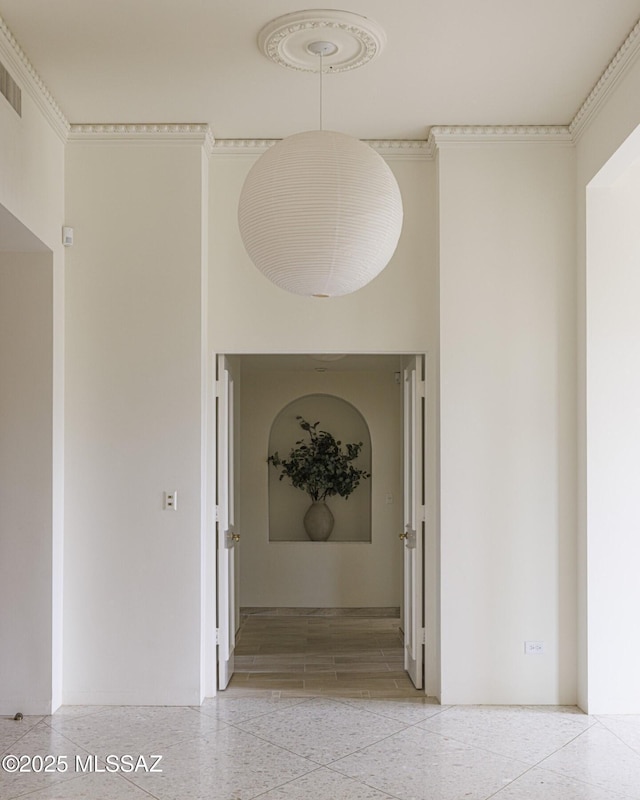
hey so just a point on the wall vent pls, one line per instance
(10, 89)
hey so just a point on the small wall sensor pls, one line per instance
(67, 236)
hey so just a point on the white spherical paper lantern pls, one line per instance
(320, 214)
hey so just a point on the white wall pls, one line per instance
(26, 486)
(609, 128)
(32, 191)
(31, 168)
(613, 443)
(134, 308)
(154, 320)
(507, 351)
(504, 223)
(133, 578)
(321, 574)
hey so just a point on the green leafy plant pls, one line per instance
(320, 465)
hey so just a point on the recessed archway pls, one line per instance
(287, 505)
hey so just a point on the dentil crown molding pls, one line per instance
(186, 133)
(426, 148)
(397, 148)
(464, 134)
(608, 80)
(23, 72)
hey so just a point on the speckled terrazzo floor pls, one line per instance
(259, 742)
(244, 747)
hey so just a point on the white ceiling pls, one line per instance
(369, 362)
(446, 62)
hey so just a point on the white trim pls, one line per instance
(238, 146)
(402, 148)
(182, 133)
(609, 79)
(23, 72)
(397, 148)
(405, 149)
(424, 149)
(498, 134)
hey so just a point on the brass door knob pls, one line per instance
(403, 536)
(235, 537)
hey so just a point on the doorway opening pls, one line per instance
(30, 466)
(302, 604)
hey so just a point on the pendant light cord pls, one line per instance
(321, 71)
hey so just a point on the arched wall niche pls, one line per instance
(288, 505)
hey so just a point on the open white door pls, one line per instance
(226, 534)
(414, 517)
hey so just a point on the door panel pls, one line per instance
(414, 516)
(226, 533)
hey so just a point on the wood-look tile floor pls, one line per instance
(325, 655)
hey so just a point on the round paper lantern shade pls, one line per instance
(320, 214)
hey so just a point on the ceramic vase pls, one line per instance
(318, 521)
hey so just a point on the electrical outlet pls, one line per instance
(534, 648)
(171, 500)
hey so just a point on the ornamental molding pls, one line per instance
(392, 148)
(440, 135)
(239, 146)
(286, 39)
(209, 141)
(609, 79)
(199, 133)
(402, 148)
(24, 73)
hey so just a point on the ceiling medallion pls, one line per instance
(287, 40)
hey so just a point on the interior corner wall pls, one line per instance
(611, 124)
(208, 577)
(613, 443)
(32, 163)
(321, 574)
(26, 482)
(507, 438)
(133, 594)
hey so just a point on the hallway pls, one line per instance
(316, 651)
